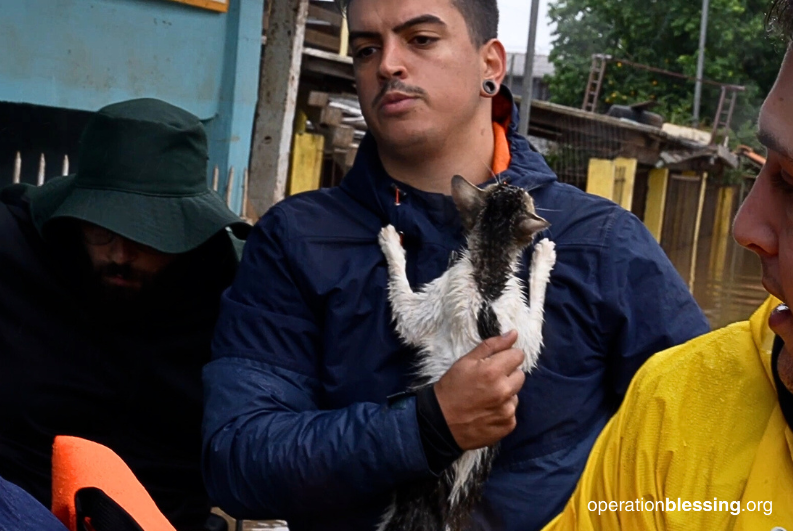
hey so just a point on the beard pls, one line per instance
(134, 288)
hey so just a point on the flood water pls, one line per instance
(727, 278)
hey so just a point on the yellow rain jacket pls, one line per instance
(701, 423)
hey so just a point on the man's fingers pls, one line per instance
(515, 382)
(492, 345)
(506, 361)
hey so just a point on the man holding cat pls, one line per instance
(300, 418)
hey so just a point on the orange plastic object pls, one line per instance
(79, 463)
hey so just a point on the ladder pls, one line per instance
(723, 118)
(595, 82)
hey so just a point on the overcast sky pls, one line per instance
(513, 28)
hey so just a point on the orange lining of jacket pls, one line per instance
(502, 112)
(501, 154)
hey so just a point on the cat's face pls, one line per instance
(497, 210)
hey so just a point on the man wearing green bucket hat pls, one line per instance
(109, 289)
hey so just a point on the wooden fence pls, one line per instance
(42, 168)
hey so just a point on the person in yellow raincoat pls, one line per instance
(703, 439)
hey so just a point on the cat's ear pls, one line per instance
(469, 199)
(531, 226)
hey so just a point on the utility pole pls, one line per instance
(528, 72)
(703, 33)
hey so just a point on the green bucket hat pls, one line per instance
(143, 175)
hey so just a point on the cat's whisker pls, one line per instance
(492, 173)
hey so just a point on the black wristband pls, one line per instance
(440, 448)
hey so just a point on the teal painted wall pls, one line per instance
(84, 54)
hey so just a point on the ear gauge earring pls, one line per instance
(490, 87)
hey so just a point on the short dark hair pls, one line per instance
(780, 16)
(481, 18)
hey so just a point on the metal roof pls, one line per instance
(542, 66)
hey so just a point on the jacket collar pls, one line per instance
(369, 184)
(762, 336)
(785, 396)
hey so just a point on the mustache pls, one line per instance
(125, 271)
(395, 85)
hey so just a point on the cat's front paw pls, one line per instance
(544, 255)
(391, 245)
(389, 237)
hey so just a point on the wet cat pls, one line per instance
(478, 297)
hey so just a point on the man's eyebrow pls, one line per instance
(363, 35)
(771, 142)
(415, 21)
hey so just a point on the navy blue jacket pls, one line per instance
(297, 423)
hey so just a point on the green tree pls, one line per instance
(664, 34)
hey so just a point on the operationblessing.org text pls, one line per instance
(669, 505)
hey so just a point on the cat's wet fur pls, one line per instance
(478, 297)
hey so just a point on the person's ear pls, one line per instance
(494, 66)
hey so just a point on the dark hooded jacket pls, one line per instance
(297, 423)
(130, 380)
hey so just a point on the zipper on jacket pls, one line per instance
(398, 194)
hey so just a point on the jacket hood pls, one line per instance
(762, 335)
(369, 184)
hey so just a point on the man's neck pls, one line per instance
(431, 169)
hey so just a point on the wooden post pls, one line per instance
(306, 170)
(344, 38)
(600, 178)
(693, 270)
(229, 186)
(17, 168)
(300, 123)
(627, 170)
(656, 202)
(245, 178)
(722, 224)
(275, 108)
(42, 167)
